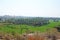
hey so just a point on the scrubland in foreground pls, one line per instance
(55, 35)
(29, 32)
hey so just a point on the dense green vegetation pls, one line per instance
(14, 28)
(17, 24)
(24, 20)
(34, 21)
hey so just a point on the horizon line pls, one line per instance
(32, 16)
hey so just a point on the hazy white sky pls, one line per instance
(44, 8)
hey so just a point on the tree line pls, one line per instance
(26, 20)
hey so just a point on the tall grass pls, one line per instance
(13, 28)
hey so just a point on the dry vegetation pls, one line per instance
(52, 34)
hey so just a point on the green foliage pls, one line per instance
(13, 28)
